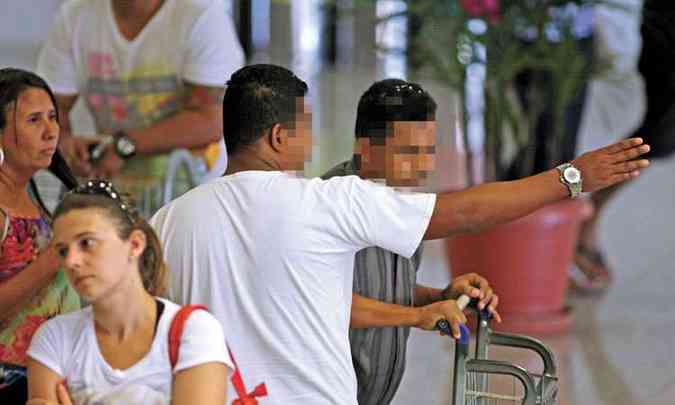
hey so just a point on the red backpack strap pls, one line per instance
(175, 334)
(243, 397)
(176, 330)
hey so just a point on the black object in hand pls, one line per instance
(444, 327)
(96, 151)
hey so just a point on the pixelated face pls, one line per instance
(300, 136)
(405, 157)
(410, 153)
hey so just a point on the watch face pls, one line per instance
(126, 147)
(572, 175)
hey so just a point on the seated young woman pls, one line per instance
(116, 351)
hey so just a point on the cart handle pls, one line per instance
(483, 314)
(464, 333)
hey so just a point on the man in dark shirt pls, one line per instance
(396, 137)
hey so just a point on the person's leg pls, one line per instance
(592, 272)
(544, 153)
(588, 236)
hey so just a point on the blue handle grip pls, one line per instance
(464, 333)
(483, 314)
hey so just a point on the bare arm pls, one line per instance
(427, 295)
(491, 204)
(202, 384)
(198, 124)
(471, 284)
(42, 381)
(370, 313)
(73, 148)
(16, 291)
(65, 103)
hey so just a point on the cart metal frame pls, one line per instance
(471, 381)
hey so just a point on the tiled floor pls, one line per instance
(620, 350)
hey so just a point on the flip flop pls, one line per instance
(590, 273)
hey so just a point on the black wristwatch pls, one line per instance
(124, 146)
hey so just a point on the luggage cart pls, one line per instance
(479, 380)
(184, 171)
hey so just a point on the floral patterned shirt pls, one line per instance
(21, 245)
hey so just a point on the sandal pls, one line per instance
(590, 273)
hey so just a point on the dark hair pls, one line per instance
(257, 98)
(13, 82)
(391, 100)
(101, 194)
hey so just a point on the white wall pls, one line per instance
(24, 24)
(23, 30)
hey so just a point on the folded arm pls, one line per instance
(197, 124)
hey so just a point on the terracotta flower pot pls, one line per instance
(526, 262)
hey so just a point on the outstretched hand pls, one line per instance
(612, 164)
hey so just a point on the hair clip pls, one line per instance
(397, 92)
(105, 188)
(408, 87)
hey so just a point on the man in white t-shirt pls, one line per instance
(151, 74)
(272, 255)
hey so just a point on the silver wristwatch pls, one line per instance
(124, 146)
(570, 176)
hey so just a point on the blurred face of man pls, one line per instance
(299, 137)
(406, 157)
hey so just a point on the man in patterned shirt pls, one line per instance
(151, 73)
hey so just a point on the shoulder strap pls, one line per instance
(176, 330)
(243, 397)
(175, 333)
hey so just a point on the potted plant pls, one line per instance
(521, 69)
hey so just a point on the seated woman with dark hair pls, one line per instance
(32, 289)
(118, 350)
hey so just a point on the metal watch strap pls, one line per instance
(573, 188)
(121, 135)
